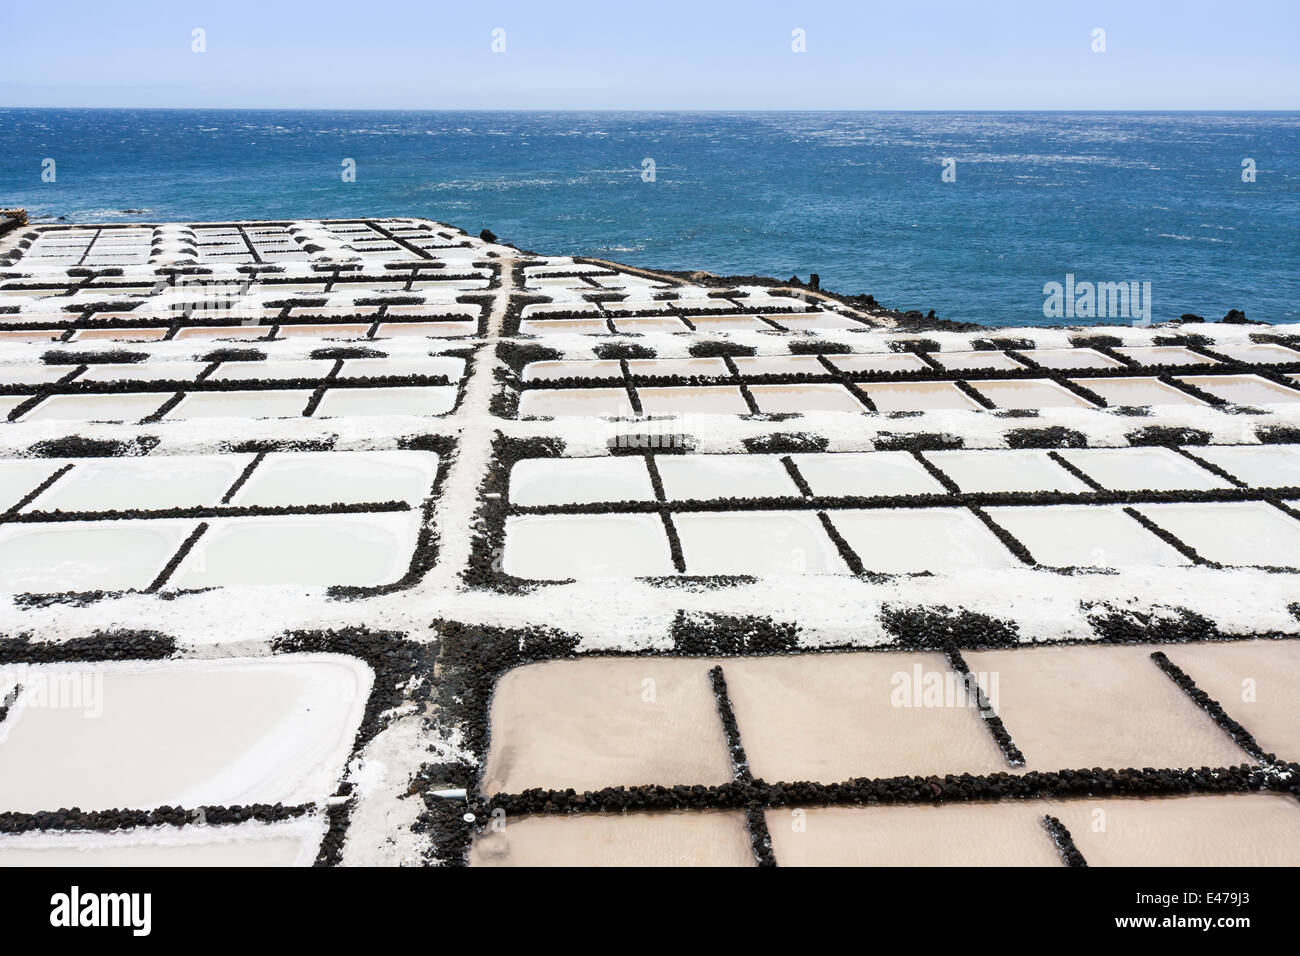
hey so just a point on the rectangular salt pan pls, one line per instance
(1030, 394)
(1164, 355)
(779, 365)
(970, 361)
(556, 402)
(1238, 829)
(20, 478)
(1258, 352)
(631, 839)
(357, 550)
(119, 335)
(547, 371)
(142, 372)
(834, 717)
(1237, 532)
(87, 555)
(866, 474)
(727, 323)
(884, 362)
(402, 400)
(1256, 682)
(559, 547)
(698, 400)
(254, 371)
(911, 540)
(820, 320)
(916, 396)
(291, 843)
(267, 403)
(757, 542)
(1090, 706)
(665, 324)
(222, 333)
(34, 375)
(150, 482)
(1070, 358)
(123, 407)
(711, 367)
(432, 365)
(1139, 469)
(783, 399)
(339, 332)
(181, 733)
(1102, 536)
(559, 481)
(541, 310)
(708, 477)
(562, 282)
(1261, 466)
(8, 403)
(353, 477)
(637, 307)
(590, 723)
(1124, 392)
(549, 326)
(1011, 470)
(1243, 389)
(981, 834)
(124, 334)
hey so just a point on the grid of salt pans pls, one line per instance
(899, 512)
(235, 243)
(364, 279)
(87, 246)
(372, 324)
(594, 299)
(1250, 374)
(177, 522)
(168, 390)
(598, 723)
(378, 236)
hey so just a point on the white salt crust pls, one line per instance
(288, 843)
(237, 731)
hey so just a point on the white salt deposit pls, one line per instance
(181, 733)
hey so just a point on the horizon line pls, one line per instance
(575, 109)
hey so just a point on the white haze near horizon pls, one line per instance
(671, 55)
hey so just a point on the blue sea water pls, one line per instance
(856, 197)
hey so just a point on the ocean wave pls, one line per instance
(501, 184)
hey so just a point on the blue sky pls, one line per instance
(668, 54)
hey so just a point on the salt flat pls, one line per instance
(443, 515)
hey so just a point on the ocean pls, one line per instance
(861, 199)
